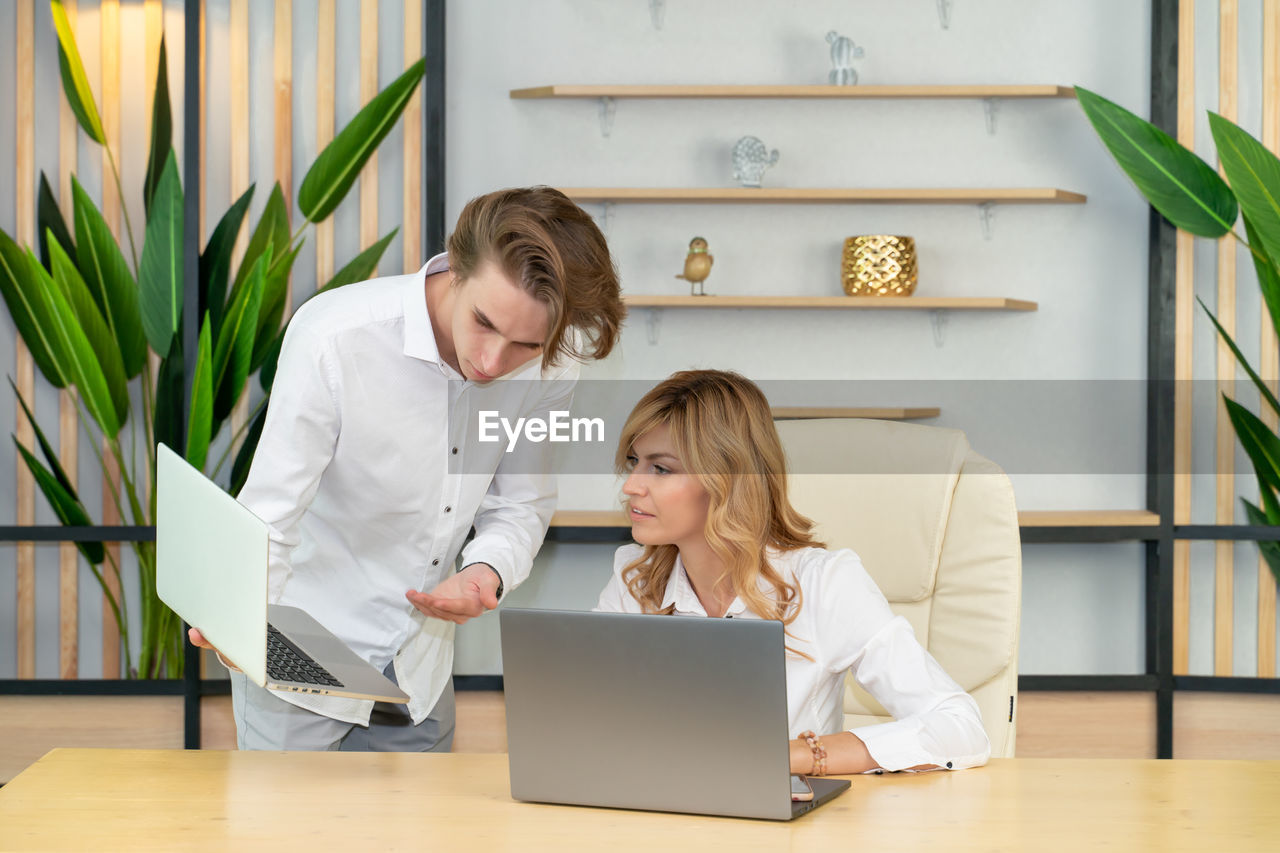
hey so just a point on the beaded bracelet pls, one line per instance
(819, 753)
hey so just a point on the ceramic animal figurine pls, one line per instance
(843, 52)
(697, 266)
(750, 159)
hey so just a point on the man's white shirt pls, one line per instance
(845, 625)
(370, 475)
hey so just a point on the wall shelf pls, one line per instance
(849, 195)
(873, 303)
(882, 413)
(793, 92)
(1091, 519)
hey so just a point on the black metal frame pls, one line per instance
(1159, 540)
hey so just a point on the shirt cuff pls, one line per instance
(896, 745)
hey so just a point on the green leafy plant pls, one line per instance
(1190, 194)
(90, 318)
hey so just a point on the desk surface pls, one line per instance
(144, 799)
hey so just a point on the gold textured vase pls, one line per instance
(879, 265)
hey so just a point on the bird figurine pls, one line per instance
(697, 266)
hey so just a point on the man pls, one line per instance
(370, 471)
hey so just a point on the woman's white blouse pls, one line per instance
(845, 625)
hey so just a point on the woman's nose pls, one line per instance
(633, 484)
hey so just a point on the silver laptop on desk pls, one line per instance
(211, 568)
(650, 712)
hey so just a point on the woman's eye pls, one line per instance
(658, 469)
(631, 462)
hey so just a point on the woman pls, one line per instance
(707, 497)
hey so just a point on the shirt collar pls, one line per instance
(680, 593)
(419, 337)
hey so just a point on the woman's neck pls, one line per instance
(707, 576)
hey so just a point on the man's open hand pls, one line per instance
(460, 597)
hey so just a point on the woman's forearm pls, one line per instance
(846, 754)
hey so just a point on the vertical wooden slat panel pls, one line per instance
(111, 201)
(411, 227)
(1184, 302)
(325, 55)
(1224, 552)
(239, 142)
(283, 59)
(1268, 348)
(68, 434)
(368, 89)
(24, 368)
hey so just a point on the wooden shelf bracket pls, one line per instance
(989, 110)
(986, 211)
(938, 319)
(608, 108)
(653, 326)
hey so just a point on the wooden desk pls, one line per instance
(139, 799)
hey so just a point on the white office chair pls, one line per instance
(935, 526)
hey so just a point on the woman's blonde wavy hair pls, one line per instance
(723, 432)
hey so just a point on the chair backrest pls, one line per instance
(936, 527)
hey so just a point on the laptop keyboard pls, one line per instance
(287, 662)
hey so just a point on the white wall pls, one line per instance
(1084, 264)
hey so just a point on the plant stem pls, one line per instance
(244, 426)
(115, 173)
(1257, 254)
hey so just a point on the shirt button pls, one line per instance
(448, 509)
(436, 561)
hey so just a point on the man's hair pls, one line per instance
(553, 250)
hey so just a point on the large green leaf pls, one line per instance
(93, 551)
(335, 170)
(68, 509)
(272, 231)
(160, 278)
(1270, 550)
(169, 398)
(234, 349)
(49, 218)
(29, 311)
(1231, 344)
(1184, 188)
(244, 456)
(1262, 445)
(270, 360)
(1268, 275)
(46, 448)
(109, 280)
(200, 419)
(161, 130)
(74, 82)
(362, 266)
(274, 291)
(215, 261)
(95, 328)
(71, 349)
(1254, 175)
